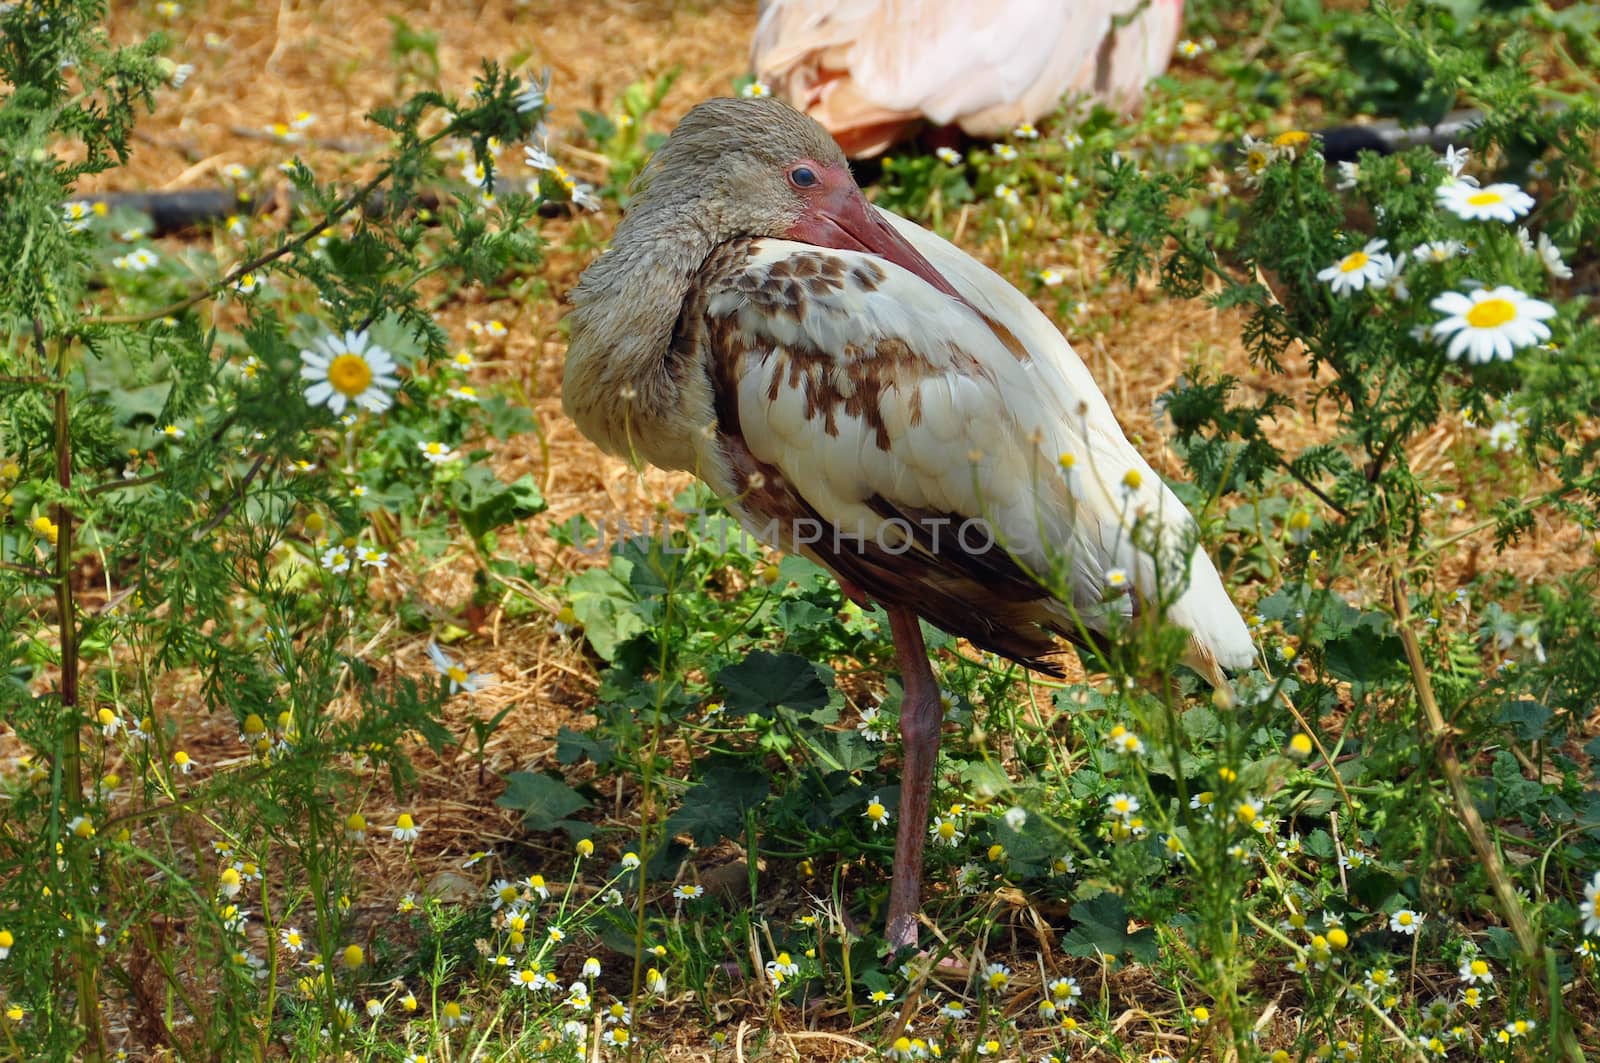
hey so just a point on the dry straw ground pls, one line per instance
(258, 63)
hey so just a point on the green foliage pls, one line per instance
(145, 447)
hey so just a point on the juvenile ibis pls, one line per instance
(863, 393)
(872, 70)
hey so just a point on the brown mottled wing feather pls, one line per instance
(980, 594)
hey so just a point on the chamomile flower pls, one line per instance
(533, 96)
(405, 828)
(688, 893)
(459, 677)
(1590, 906)
(996, 976)
(1121, 740)
(77, 215)
(336, 559)
(1438, 251)
(1123, 805)
(1051, 277)
(1549, 256)
(1117, 579)
(781, 969)
(948, 156)
(1497, 202)
(289, 937)
(755, 90)
(1405, 921)
(877, 813)
(141, 261)
(1004, 152)
(1353, 272)
(503, 893)
(436, 453)
(1258, 155)
(1474, 971)
(1007, 195)
(870, 726)
(348, 369)
(1188, 49)
(1026, 131)
(944, 831)
(1486, 324)
(372, 557)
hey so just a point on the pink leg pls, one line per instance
(920, 717)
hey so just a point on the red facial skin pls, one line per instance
(837, 215)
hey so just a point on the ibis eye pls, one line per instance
(803, 177)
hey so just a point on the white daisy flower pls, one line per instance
(346, 369)
(948, 156)
(336, 559)
(1550, 257)
(436, 453)
(1349, 174)
(1188, 49)
(460, 678)
(1491, 323)
(1052, 277)
(1503, 436)
(755, 90)
(1498, 202)
(1405, 921)
(1354, 271)
(1590, 908)
(533, 97)
(1004, 152)
(1455, 160)
(1438, 251)
(538, 159)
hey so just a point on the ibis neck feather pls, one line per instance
(617, 385)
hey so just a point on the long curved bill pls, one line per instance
(844, 220)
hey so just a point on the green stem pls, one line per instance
(85, 962)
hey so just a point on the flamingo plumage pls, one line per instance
(858, 390)
(872, 70)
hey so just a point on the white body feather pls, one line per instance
(978, 433)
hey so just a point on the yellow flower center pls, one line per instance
(349, 374)
(1485, 198)
(1353, 261)
(456, 673)
(1491, 313)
